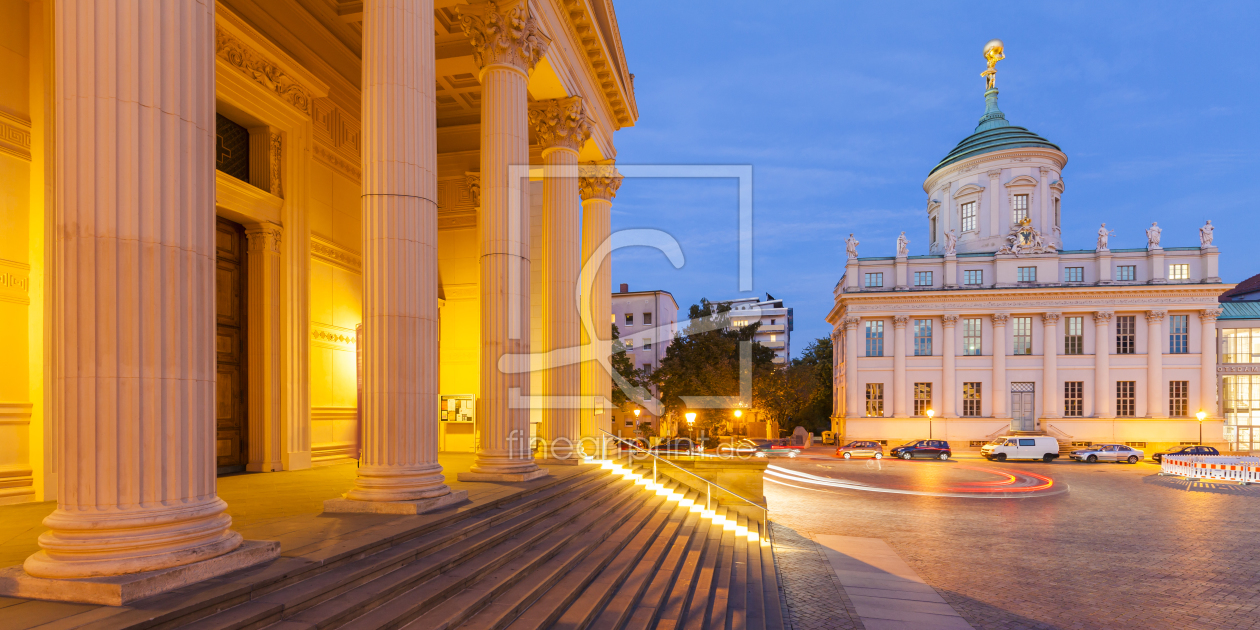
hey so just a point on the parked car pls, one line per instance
(625, 445)
(1108, 453)
(756, 447)
(923, 449)
(1184, 450)
(1041, 447)
(861, 448)
(678, 446)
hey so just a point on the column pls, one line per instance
(1156, 389)
(1001, 391)
(505, 57)
(562, 128)
(949, 397)
(1103, 387)
(1207, 367)
(1050, 390)
(854, 408)
(1043, 199)
(995, 213)
(399, 472)
(900, 392)
(598, 186)
(266, 437)
(135, 375)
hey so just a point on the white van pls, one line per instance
(1041, 447)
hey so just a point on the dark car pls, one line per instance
(1184, 450)
(625, 445)
(677, 446)
(923, 449)
(757, 447)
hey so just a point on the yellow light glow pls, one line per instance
(739, 412)
(1201, 415)
(691, 417)
(753, 537)
(930, 414)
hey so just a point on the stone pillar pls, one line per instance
(1001, 391)
(1104, 266)
(1050, 391)
(135, 372)
(1156, 389)
(900, 265)
(598, 186)
(949, 397)
(266, 435)
(506, 44)
(854, 408)
(1159, 273)
(1208, 257)
(399, 472)
(851, 272)
(1103, 387)
(950, 281)
(1207, 367)
(900, 392)
(562, 128)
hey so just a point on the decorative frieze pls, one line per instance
(472, 187)
(336, 128)
(346, 167)
(15, 136)
(15, 282)
(329, 252)
(334, 337)
(261, 70)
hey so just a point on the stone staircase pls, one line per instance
(607, 549)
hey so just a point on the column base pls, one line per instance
(120, 590)
(481, 476)
(419, 506)
(264, 467)
(574, 460)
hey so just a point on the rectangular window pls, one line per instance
(875, 400)
(1126, 334)
(1126, 273)
(1073, 398)
(922, 337)
(647, 343)
(647, 367)
(923, 278)
(1027, 274)
(874, 338)
(1179, 334)
(973, 276)
(1020, 207)
(874, 279)
(1074, 336)
(629, 319)
(933, 229)
(1241, 345)
(1178, 399)
(1126, 399)
(1074, 274)
(647, 319)
(969, 216)
(629, 344)
(971, 337)
(1178, 272)
(922, 398)
(971, 400)
(1021, 328)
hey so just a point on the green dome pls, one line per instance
(993, 133)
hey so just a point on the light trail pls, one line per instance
(1002, 488)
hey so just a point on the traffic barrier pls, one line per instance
(1221, 467)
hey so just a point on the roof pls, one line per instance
(1250, 285)
(1240, 310)
(994, 133)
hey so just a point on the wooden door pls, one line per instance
(230, 403)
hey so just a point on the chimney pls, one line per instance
(625, 288)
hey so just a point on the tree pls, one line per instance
(645, 429)
(783, 393)
(704, 361)
(816, 361)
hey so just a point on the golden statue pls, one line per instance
(993, 54)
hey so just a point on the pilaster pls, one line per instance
(1050, 391)
(853, 401)
(1001, 389)
(949, 397)
(1207, 365)
(950, 281)
(900, 266)
(597, 186)
(266, 433)
(1103, 387)
(996, 220)
(900, 392)
(1208, 257)
(265, 145)
(1158, 271)
(1104, 266)
(1156, 390)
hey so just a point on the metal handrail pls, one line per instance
(709, 485)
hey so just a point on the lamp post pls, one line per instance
(930, 413)
(636, 419)
(1201, 415)
(691, 423)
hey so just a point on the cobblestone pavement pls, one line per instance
(1122, 548)
(812, 595)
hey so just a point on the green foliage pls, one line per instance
(815, 412)
(636, 379)
(645, 429)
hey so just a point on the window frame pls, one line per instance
(629, 319)
(1021, 336)
(1074, 335)
(1182, 271)
(1026, 274)
(922, 399)
(1019, 204)
(979, 277)
(875, 337)
(1074, 274)
(968, 215)
(1126, 334)
(875, 400)
(1126, 399)
(1179, 334)
(1178, 399)
(968, 337)
(1126, 276)
(973, 399)
(918, 275)
(874, 275)
(647, 319)
(921, 341)
(1073, 399)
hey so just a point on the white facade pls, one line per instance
(647, 322)
(775, 331)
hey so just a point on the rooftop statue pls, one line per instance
(1152, 236)
(903, 245)
(850, 246)
(1025, 239)
(951, 242)
(992, 54)
(1205, 234)
(1103, 234)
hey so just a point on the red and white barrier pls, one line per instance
(1221, 467)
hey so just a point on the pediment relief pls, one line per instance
(1022, 180)
(968, 189)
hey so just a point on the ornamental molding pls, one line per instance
(1210, 314)
(900, 321)
(335, 337)
(261, 70)
(598, 181)
(337, 129)
(264, 239)
(1056, 158)
(561, 123)
(949, 320)
(1021, 182)
(851, 321)
(968, 189)
(336, 161)
(276, 188)
(584, 30)
(15, 282)
(325, 250)
(15, 136)
(1025, 239)
(1156, 316)
(995, 173)
(1050, 318)
(1000, 319)
(1102, 317)
(503, 32)
(472, 186)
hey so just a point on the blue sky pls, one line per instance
(842, 108)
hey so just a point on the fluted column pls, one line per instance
(949, 397)
(1207, 367)
(1103, 392)
(506, 44)
(400, 285)
(1156, 391)
(854, 407)
(562, 128)
(900, 393)
(1001, 390)
(135, 374)
(598, 186)
(266, 437)
(1050, 393)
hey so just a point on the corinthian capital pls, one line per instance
(1155, 316)
(900, 321)
(1102, 317)
(1050, 318)
(949, 320)
(851, 321)
(598, 181)
(1210, 314)
(1000, 319)
(503, 33)
(560, 123)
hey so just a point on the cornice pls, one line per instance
(325, 250)
(232, 49)
(1190, 297)
(336, 161)
(618, 91)
(1025, 154)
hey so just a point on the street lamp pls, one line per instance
(1201, 415)
(930, 413)
(739, 412)
(691, 423)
